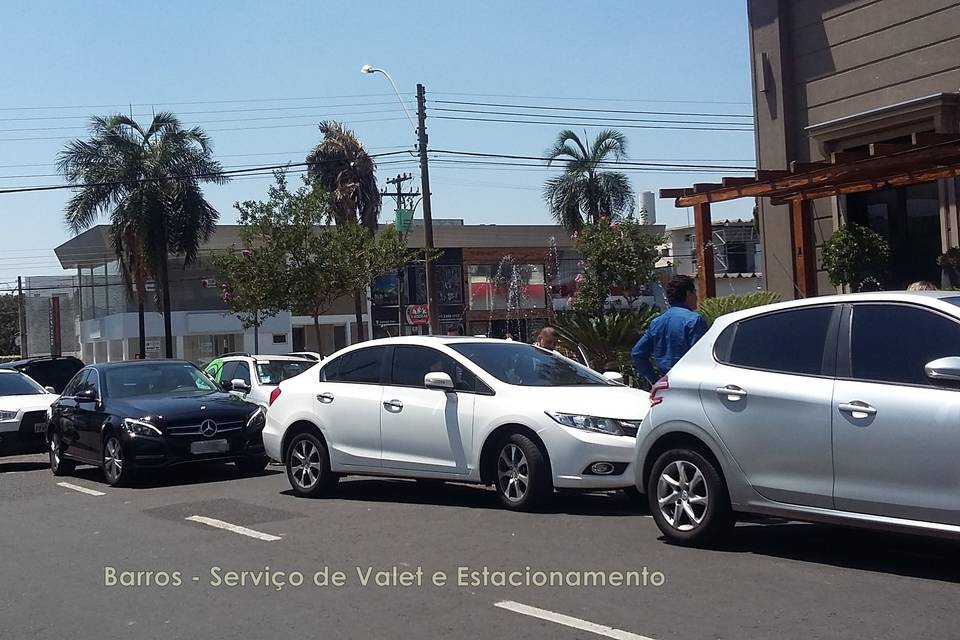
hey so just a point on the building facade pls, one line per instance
(835, 81)
(737, 255)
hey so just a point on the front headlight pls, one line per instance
(141, 427)
(588, 423)
(257, 419)
(8, 416)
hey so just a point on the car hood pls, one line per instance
(173, 409)
(618, 402)
(33, 402)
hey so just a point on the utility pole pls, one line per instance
(399, 195)
(21, 309)
(427, 212)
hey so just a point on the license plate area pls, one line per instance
(209, 446)
(40, 427)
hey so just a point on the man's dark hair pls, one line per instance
(678, 288)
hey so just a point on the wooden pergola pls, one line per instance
(927, 157)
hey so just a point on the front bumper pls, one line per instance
(148, 452)
(573, 451)
(21, 437)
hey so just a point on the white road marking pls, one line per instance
(568, 621)
(76, 487)
(226, 526)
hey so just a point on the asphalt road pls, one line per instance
(58, 546)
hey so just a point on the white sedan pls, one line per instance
(462, 409)
(23, 413)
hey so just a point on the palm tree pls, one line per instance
(148, 182)
(584, 192)
(343, 168)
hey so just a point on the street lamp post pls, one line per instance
(421, 129)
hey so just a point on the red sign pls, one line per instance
(418, 314)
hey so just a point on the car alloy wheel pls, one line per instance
(513, 473)
(113, 460)
(306, 464)
(58, 465)
(682, 495)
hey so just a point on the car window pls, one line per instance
(525, 365)
(242, 372)
(176, 379)
(227, 373)
(788, 341)
(92, 382)
(411, 364)
(214, 369)
(84, 383)
(55, 373)
(74, 384)
(894, 343)
(17, 384)
(276, 371)
(360, 366)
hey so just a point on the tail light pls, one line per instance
(661, 385)
(273, 396)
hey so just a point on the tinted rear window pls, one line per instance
(53, 373)
(788, 342)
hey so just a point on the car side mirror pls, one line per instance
(49, 389)
(613, 376)
(944, 369)
(438, 380)
(239, 385)
(86, 395)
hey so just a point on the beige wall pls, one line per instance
(819, 60)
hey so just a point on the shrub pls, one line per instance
(855, 255)
(713, 308)
(606, 338)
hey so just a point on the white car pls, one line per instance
(456, 408)
(252, 378)
(23, 413)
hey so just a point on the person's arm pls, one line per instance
(641, 358)
(696, 330)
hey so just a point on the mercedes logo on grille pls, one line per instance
(208, 428)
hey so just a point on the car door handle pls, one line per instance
(732, 392)
(325, 398)
(394, 406)
(857, 409)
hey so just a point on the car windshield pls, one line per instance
(153, 378)
(17, 384)
(276, 371)
(527, 366)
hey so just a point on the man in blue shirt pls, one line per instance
(672, 333)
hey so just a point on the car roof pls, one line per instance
(426, 341)
(267, 357)
(933, 299)
(103, 366)
(34, 359)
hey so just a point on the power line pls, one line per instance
(590, 99)
(126, 105)
(587, 109)
(590, 124)
(602, 120)
(611, 162)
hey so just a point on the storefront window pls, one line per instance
(506, 286)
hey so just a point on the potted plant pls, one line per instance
(950, 268)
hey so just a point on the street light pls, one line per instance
(420, 128)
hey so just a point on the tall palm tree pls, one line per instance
(342, 167)
(584, 192)
(148, 181)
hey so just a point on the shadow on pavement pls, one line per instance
(178, 476)
(477, 497)
(13, 467)
(865, 550)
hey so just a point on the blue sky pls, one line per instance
(298, 62)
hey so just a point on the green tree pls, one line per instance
(292, 258)
(854, 254)
(341, 167)
(9, 324)
(584, 192)
(617, 255)
(148, 180)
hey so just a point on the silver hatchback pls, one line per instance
(841, 409)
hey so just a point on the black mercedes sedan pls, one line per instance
(131, 417)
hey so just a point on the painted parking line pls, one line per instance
(76, 487)
(226, 526)
(568, 621)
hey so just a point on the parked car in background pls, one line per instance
(471, 410)
(842, 409)
(23, 413)
(48, 371)
(138, 416)
(253, 378)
